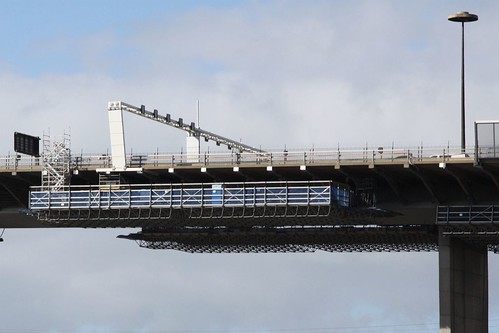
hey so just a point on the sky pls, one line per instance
(274, 74)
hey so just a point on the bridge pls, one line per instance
(248, 200)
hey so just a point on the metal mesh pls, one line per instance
(334, 239)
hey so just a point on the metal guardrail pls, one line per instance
(15, 163)
(178, 196)
(466, 215)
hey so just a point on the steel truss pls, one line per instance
(188, 127)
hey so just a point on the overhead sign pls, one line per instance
(26, 144)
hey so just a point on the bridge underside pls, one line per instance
(339, 238)
(290, 239)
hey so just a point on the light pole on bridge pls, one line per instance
(462, 17)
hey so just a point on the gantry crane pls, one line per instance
(115, 112)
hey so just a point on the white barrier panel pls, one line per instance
(191, 195)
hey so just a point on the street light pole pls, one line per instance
(462, 17)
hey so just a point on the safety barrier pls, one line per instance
(310, 157)
(180, 196)
(452, 215)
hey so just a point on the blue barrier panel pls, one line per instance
(216, 194)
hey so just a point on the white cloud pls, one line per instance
(87, 278)
(273, 74)
(275, 69)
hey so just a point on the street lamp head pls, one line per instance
(463, 17)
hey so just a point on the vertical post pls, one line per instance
(197, 118)
(463, 120)
(494, 138)
(477, 150)
(463, 280)
(117, 134)
(462, 17)
(193, 148)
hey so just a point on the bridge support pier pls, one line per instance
(463, 270)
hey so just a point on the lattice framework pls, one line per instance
(56, 159)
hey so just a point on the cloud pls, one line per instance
(87, 278)
(272, 74)
(271, 63)
(281, 68)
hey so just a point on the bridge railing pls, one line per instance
(313, 193)
(467, 215)
(273, 158)
(20, 162)
(310, 157)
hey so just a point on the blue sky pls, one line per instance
(30, 27)
(338, 62)
(299, 74)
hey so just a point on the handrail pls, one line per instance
(13, 163)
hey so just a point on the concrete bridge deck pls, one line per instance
(411, 182)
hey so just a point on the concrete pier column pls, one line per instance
(463, 270)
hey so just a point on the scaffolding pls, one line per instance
(56, 160)
(194, 201)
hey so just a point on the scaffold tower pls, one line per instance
(56, 159)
